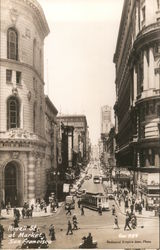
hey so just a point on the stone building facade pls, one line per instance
(80, 133)
(137, 109)
(23, 140)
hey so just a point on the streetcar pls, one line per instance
(94, 201)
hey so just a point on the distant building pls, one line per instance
(80, 134)
(95, 152)
(137, 109)
(51, 133)
(105, 119)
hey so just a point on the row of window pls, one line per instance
(9, 76)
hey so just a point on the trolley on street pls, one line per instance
(94, 201)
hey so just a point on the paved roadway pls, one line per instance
(101, 227)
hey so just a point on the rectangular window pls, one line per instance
(158, 4)
(18, 77)
(8, 75)
(143, 14)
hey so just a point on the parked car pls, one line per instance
(110, 194)
(80, 193)
(72, 191)
(69, 201)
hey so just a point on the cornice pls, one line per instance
(146, 39)
(51, 105)
(20, 138)
(146, 99)
(126, 18)
(36, 7)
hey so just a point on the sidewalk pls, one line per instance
(4, 214)
(145, 214)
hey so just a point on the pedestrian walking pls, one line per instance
(1, 232)
(119, 201)
(113, 209)
(82, 210)
(133, 221)
(69, 228)
(52, 232)
(132, 208)
(23, 212)
(27, 213)
(69, 210)
(30, 212)
(18, 214)
(136, 206)
(126, 203)
(79, 203)
(7, 208)
(15, 212)
(127, 221)
(140, 208)
(45, 209)
(16, 223)
(75, 223)
(100, 210)
(116, 226)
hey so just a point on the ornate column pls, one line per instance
(135, 84)
(25, 162)
(145, 71)
(38, 177)
(31, 178)
(151, 69)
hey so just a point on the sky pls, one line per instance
(79, 69)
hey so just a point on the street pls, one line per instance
(101, 227)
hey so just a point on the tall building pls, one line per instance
(24, 152)
(80, 133)
(105, 119)
(137, 109)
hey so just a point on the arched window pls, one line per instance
(12, 44)
(13, 113)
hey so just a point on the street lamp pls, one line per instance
(117, 174)
(56, 174)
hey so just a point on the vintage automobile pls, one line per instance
(69, 202)
(110, 194)
(80, 193)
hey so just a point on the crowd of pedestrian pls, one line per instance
(130, 220)
(1, 233)
(130, 200)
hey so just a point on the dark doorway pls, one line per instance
(11, 184)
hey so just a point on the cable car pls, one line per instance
(94, 201)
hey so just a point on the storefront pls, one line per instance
(148, 189)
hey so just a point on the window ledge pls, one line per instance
(158, 12)
(19, 85)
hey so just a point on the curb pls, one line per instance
(35, 215)
(138, 216)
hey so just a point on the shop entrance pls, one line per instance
(13, 184)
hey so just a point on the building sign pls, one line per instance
(69, 148)
(65, 188)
